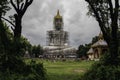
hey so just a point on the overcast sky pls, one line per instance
(39, 19)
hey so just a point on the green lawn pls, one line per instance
(68, 70)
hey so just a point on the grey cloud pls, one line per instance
(39, 19)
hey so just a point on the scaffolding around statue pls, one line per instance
(58, 42)
(57, 38)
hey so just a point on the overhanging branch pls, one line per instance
(8, 21)
(26, 5)
(102, 26)
(11, 1)
(111, 8)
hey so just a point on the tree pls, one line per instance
(107, 15)
(82, 50)
(12, 65)
(3, 7)
(4, 39)
(25, 46)
(37, 50)
(20, 7)
(94, 39)
(119, 40)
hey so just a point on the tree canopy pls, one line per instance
(3, 7)
(13, 45)
(107, 14)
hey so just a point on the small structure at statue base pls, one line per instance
(98, 49)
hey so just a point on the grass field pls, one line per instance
(68, 70)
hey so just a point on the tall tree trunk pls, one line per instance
(17, 34)
(113, 51)
(17, 30)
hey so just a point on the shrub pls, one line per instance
(102, 70)
(32, 71)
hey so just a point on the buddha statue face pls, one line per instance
(58, 22)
